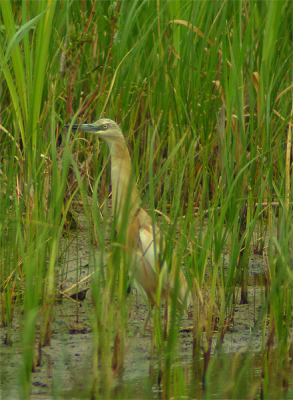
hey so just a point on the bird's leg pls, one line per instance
(166, 319)
(146, 323)
(168, 308)
(136, 302)
(147, 320)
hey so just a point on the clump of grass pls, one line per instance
(204, 95)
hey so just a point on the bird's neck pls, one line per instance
(125, 196)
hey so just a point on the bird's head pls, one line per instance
(104, 128)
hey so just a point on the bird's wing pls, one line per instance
(149, 250)
(149, 273)
(144, 275)
(150, 270)
(176, 277)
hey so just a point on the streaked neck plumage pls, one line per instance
(125, 196)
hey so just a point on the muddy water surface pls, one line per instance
(66, 364)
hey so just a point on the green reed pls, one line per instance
(203, 92)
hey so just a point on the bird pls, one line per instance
(144, 240)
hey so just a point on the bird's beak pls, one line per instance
(84, 127)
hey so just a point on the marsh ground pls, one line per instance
(66, 364)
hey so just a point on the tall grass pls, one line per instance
(203, 91)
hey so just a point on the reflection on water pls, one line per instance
(236, 375)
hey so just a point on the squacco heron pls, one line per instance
(144, 240)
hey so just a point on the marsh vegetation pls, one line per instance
(203, 92)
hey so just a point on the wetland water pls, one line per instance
(66, 367)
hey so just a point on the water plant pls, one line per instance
(203, 92)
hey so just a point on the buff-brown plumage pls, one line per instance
(142, 242)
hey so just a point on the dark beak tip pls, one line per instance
(73, 128)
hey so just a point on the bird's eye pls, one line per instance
(105, 127)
